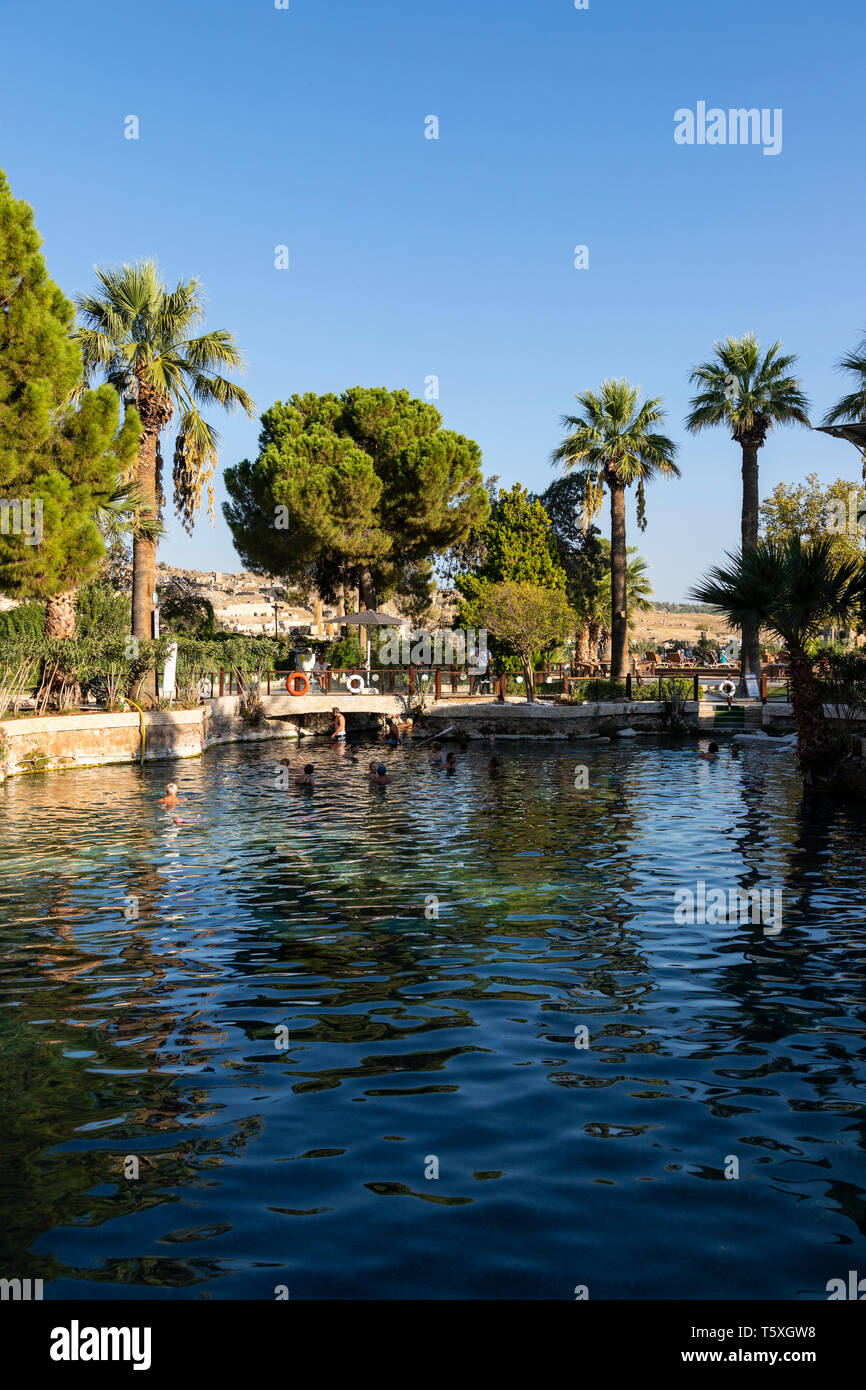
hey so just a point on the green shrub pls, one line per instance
(101, 611)
(589, 689)
(345, 652)
(26, 621)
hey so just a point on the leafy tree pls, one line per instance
(813, 511)
(809, 510)
(749, 394)
(584, 557)
(136, 333)
(307, 508)
(794, 588)
(853, 406)
(365, 488)
(467, 553)
(524, 618)
(614, 445)
(519, 544)
(60, 446)
(183, 611)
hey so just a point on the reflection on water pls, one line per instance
(147, 968)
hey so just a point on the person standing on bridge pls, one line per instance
(339, 723)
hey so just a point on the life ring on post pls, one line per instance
(728, 688)
(355, 689)
(297, 676)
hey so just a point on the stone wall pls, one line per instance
(54, 742)
(87, 740)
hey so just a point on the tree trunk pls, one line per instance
(594, 628)
(144, 547)
(529, 679)
(60, 620)
(367, 592)
(750, 657)
(581, 646)
(317, 615)
(341, 607)
(618, 580)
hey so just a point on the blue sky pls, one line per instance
(454, 257)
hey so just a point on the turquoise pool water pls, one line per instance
(421, 1043)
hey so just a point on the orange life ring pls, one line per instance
(297, 676)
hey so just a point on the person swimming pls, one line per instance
(339, 723)
(381, 777)
(307, 779)
(451, 762)
(171, 797)
(711, 754)
(494, 766)
(436, 758)
(353, 751)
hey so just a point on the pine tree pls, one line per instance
(362, 488)
(59, 461)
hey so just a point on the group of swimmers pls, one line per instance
(712, 752)
(378, 772)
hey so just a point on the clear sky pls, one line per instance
(454, 257)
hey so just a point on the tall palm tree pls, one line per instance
(794, 588)
(136, 333)
(614, 445)
(119, 515)
(748, 393)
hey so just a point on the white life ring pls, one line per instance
(728, 688)
(355, 689)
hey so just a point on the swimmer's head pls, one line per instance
(172, 789)
(336, 709)
(309, 769)
(382, 770)
(713, 748)
(436, 747)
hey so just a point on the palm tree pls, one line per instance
(852, 408)
(119, 515)
(748, 394)
(135, 333)
(794, 588)
(614, 445)
(638, 584)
